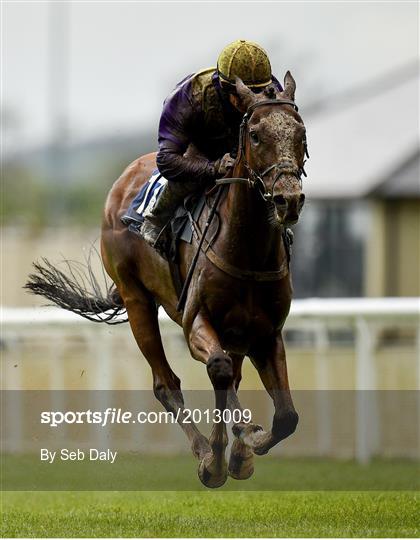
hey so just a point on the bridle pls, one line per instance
(255, 179)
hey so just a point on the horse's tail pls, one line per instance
(78, 291)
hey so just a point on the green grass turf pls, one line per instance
(304, 499)
(132, 472)
(210, 514)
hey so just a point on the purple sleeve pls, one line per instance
(176, 116)
(176, 126)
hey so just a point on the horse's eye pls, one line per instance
(254, 137)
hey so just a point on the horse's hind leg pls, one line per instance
(143, 318)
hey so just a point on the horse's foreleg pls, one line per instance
(241, 461)
(142, 315)
(270, 362)
(205, 346)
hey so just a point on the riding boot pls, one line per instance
(171, 196)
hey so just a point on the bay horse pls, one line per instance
(240, 292)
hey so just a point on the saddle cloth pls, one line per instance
(145, 199)
(180, 225)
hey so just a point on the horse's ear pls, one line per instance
(246, 96)
(289, 86)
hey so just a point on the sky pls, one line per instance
(103, 68)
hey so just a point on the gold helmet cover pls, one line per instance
(246, 60)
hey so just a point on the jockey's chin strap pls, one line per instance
(255, 179)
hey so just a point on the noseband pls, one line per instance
(255, 179)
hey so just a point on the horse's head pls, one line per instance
(273, 148)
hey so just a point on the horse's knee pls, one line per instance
(219, 368)
(285, 423)
(161, 391)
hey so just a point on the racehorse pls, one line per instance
(240, 292)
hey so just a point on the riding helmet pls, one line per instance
(246, 60)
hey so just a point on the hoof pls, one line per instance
(211, 480)
(260, 450)
(241, 462)
(263, 444)
(243, 430)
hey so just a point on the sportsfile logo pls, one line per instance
(102, 418)
(112, 415)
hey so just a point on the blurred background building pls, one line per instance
(83, 87)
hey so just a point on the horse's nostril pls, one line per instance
(280, 200)
(301, 199)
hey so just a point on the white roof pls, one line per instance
(354, 147)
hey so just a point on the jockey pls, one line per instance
(199, 127)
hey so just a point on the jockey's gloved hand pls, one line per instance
(223, 165)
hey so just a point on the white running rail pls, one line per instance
(365, 316)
